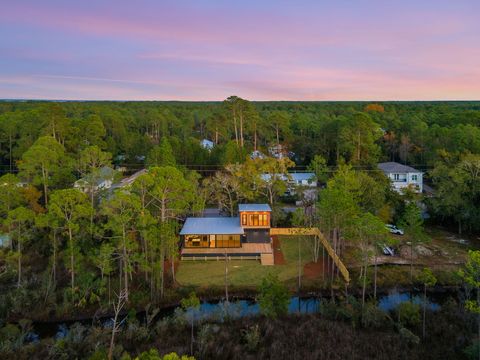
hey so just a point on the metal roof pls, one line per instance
(254, 207)
(394, 167)
(302, 176)
(212, 225)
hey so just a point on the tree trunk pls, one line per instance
(54, 269)
(299, 269)
(125, 263)
(235, 125)
(424, 307)
(173, 268)
(72, 269)
(241, 129)
(411, 260)
(19, 248)
(478, 322)
(375, 279)
(191, 338)
(45, 186)
(364, 283)
(226, 276)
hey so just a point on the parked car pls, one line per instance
(394, 230)
(387, 250)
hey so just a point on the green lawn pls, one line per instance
(246, 273)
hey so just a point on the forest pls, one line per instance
(67, 253)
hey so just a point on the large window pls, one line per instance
(258, 220)
(226, 241)
(244, 219)
(196, 241)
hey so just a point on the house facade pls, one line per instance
(100, 180)
(402, 176)
(247, 235)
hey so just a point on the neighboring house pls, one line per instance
(295, 180)
(278, 151)
(4, 240)
(207, 144)
(402, 176)
(101, 180)
(304, 179)
(257, 154)
(246, 236)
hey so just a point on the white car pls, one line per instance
(394, 230)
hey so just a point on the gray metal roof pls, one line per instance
(394, 167)
(302, 176)
(212, 225)
(254, 207)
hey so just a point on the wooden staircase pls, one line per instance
(266, 259)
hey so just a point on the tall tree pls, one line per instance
(471, 276)
(161, 155)
(412, 223)
(70, 207)
(123, 211)
(172, 195)
(46, 164)
(20, 221)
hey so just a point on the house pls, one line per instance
(402, 176)
(102, 179)
(295, 180)
(278, 151)
(246, 236)
(257, 154)
(207, 144)
(307, 179)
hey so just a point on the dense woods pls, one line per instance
(74, 251)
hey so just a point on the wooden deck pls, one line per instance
(247, 248)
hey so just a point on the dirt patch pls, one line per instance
(278, 258)
(314, 270)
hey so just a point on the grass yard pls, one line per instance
(246, 273)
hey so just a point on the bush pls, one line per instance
(274, 297)
(252, 337)
(408, 313)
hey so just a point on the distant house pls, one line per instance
(295, 180)
(246, 236)
(100, 180)
(278, 151)
(304, 179)
(4, 240)
(257, 154)
(207, 144)
(402, 176)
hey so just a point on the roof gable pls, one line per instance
(212, 226)
(254, 207)
(394, 167)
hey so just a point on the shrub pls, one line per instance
(408, 313)
(274, 297)
(252, 337)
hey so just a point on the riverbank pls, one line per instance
(312, 329)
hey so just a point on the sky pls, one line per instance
(256, 49)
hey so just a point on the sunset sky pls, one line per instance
(259, 50)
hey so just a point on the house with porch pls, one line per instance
(246, 236)
(402, 176)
